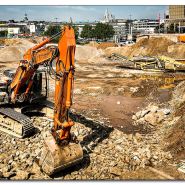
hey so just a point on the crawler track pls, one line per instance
(15, 123)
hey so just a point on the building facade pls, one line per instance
(175, 20)
(120, 26)
(126, 29)
(145, 26)
(177, 11)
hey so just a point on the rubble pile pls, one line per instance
(108, 152)
(152, 115)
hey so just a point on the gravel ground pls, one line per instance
(108, 152)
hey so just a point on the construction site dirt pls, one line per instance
(124, 121)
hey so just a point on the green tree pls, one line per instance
(87, 31)
(76, 30)
(52, 30)
(103, 31)
(3, 33)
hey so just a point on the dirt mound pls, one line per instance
(178, 96)
(146, 47)
(176, 139)
(125, 50)
(14, 49)
(86, 52)
(8, 42)
(105, 45)
(152, 46)
(177, 51)
(92, 43)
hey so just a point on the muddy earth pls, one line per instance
(124, 119)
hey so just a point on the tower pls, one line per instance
(25, 17)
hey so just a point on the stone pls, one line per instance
(138, 114)
(153, 108)
(9, 174)
(26, 143)
(13, 142)
(130, 137)
(25, 156)
(155, 157)
(118, 148)
(160, 116)
(17, 153)
(37, 151)
(144, 112)
(21, 175)
(151, 118)
(113, 163)
(169, 156)
(10, 161)
(134, 117)
(115, 171)
(138, 136)
(118, 102)
(1, 175)
(166, 111)
(134, 89)
(5, 169)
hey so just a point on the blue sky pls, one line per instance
(79, 13)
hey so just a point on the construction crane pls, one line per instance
(23, 89)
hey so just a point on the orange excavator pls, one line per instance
(23, 89)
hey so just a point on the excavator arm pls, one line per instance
(64, 77)
(61, 149)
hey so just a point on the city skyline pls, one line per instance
(91, 13)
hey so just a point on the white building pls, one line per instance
(32, 28)
(145, 26)
(13, 30)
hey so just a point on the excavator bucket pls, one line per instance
(55, 158)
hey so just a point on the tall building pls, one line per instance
(25, 17)
(108, 17)
(177, 11)
(120, 26)
(175, 21)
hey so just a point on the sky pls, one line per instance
(80, 13)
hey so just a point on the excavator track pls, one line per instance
(15, 123)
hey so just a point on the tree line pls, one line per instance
(100, 31)
(54, 29)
